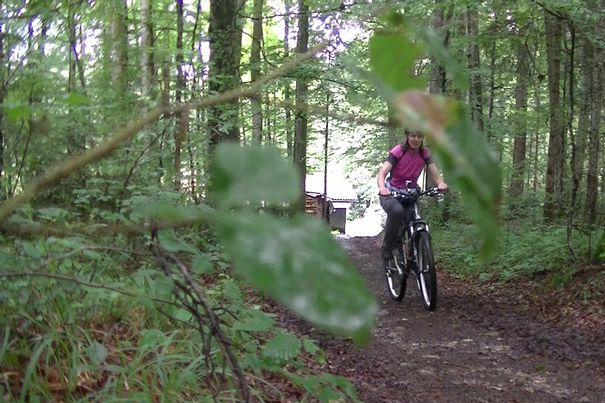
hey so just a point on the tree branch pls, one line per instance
(59, 171)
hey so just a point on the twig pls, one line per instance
(198, 297)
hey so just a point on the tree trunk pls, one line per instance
(438, 79)
(592, 178)
(147, 53)
(519, 143)
(255, 69)
(287, 95)
(474, 65)
(578, 146)
(223, 120)
(119, 31)
(180, 133)
(3, 194)
(553, 192)
(300, 140)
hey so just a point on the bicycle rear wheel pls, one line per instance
(397, 276)
(426, 271)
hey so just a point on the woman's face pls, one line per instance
(415, 140)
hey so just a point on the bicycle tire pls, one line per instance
(396, 277)
(427, 275)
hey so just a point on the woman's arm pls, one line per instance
(433, 172)
(381, 178)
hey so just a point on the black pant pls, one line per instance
(396, 213)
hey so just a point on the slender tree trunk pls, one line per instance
(325, 212)
(255, 69)
(300, 141)
(223, 120)
(594, 143)
(519, 143)
(474, 64)
(579, 145)
(71, 23)
(180, 133)
(119, 31)
(553, 32)
(147, 53)
(438, 79)
(287, 95)
(3, 181)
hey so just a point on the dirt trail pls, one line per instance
(471, 349)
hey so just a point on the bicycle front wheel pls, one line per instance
(396, 276)
(426, 271)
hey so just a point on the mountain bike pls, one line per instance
(415, 252)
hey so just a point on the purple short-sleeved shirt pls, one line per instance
(407, 165)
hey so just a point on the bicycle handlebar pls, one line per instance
(414, 193)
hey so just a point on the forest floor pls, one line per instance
(509, 342)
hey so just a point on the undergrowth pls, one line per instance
(97, 320)
(525, 250)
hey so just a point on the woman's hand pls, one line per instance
(384, 192)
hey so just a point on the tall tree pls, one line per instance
(437, 81)
(594, 141)
(579, 140)
(520, 123)
(2, 96)
(300, 139)
(223, 72)
(180, 133)
(287, 95)
(119, 56)
(474, 64)
(147, 52)
(255, 68)
(553, 34)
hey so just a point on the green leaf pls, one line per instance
(31, 250)
(170, 242)
(166, 212)
(231, 290)
(392, 59)
(151, 338)
(256, 321)
(97, 353)
(310, 346)
(298, 262)
(163, 287)
(201, 264)
(283, 346)
(76, 99)
(17, 112)
(252, 176)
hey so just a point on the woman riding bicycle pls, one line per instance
(405, 162)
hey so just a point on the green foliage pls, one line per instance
(392, 58)
(598, 255)
(527, 250)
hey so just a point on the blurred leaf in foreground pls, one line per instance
(461, 150)
(252, 176)
(296, 260)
